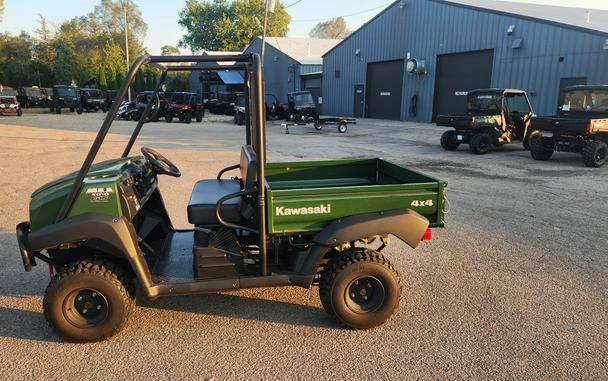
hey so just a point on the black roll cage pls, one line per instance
(255, 120)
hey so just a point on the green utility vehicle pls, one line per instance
(105, 227)
(65, 97)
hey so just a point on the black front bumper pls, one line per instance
(27, 255)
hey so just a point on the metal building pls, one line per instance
(208, 84)
(459, 46)
(292, 64)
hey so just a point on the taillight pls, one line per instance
(590, 127)
(471, 121)
(428, 235)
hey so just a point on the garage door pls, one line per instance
(458, 73)
(312, 83)
(384, 85)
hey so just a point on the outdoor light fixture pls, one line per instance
(402, 4)
(510, 29)
(606, 44)
(357, 52)
(415, 66)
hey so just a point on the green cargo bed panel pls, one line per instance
(306, 196)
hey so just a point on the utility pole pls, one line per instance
(124, 7)
(268, 8)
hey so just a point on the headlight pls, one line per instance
(2, 105)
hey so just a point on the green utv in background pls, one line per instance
(325, 223)
(65, 97)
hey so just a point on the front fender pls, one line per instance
(116, 236)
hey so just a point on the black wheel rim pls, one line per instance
(601, 154)
(86, 308)
(365, 294)
(484, 144)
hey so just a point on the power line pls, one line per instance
(348, 15)
(292, 4)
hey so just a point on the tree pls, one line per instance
(16, 60)
(109, 15)
(334, 28)
(224, 25)
(139, 84)
(102, 81)
(1, 9)
(169, 50)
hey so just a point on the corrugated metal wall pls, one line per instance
(280, 71)
(426, 29)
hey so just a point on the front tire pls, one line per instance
(359, 288)
(528, 139)
(541, 148)
(595, 153)
(480, 143)
(342, 128)
(89, 300)
(448, 142)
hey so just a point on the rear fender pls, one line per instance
(114, 236)
(405, 224)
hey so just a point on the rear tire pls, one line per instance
(480, 143)
(199, 117)
(448, 142)
(595, 153)
(342, 128)
(89, 300)
(169, 117)
(359, 288)
(58, 110)
(188, 118)
(541, 148)
(19, 112)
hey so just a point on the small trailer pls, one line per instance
(341, 122)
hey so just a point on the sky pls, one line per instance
(161, 15)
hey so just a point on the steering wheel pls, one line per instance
(161, 164)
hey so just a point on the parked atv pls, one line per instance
(185, 107)
(9, 105)
(240, 109)
(581, 126)
(109, 96)
(65, 97)
(126, 110)
(92, 100)
(145, 97)
(301, 107)
(274, 108)
(105, 228)
(30, 97)
(223, 105)
(494, 117)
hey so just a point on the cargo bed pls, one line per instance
(570, 125)
(306, 196)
